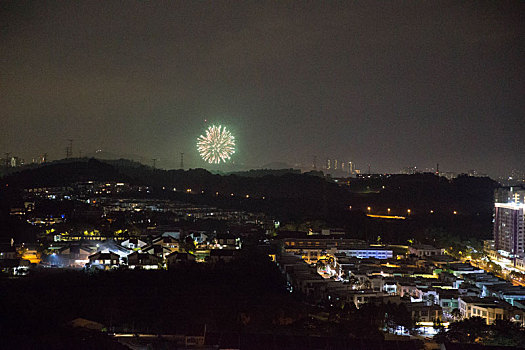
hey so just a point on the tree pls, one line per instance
(468, 330)
(188, 244)
(456, 313)
(506, 333)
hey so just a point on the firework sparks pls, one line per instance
(217, 145)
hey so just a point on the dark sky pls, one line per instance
(392, 84)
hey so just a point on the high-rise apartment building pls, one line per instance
(509, 229)
(510, 194)
(351, 168)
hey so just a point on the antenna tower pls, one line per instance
(69, 148)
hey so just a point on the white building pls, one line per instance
(509, 229)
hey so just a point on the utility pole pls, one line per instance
(181, 160)
(315, 163)
(154, 163)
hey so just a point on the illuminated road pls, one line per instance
(507, 277)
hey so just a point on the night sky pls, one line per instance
(393, 84)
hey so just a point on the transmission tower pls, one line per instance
(69, 148)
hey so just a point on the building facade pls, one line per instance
(509, 229)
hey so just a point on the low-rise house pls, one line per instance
(390, 286)
(366, 252)
(178, 258)
(31, 253)
(75, 255)
(428, 295)
(157, 250)
(144, 261)
(507, 292)
(8, 252)
(421, 312)
(228, 240)
(462, 269)
(167, 242)
(133, 244)
(360, 297)
(448, 300)
(14, 267)
(440, 261)
(175, 234)
(223, 255)
(104, 260)
(110, 246)
(199, 237)
(422, 250)
(490, 309)
(407, 288)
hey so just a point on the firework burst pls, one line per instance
(217, 145)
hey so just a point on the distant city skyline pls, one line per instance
(386, 84)
(348, 168)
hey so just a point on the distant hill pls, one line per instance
(62, 173)
(294, 197)
(276, 166)
(265, 172)
(105, 155)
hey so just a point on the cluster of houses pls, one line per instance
(168, 249)
(102, 203)
(433, 286)
(150, 245)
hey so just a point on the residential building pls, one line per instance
(133, 243)
(177, 258)
(422, 250)
(224, 255)
(104, 260)
(145, 261)
(509, 229)
(490, 309)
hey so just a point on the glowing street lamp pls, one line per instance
(409, 211)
